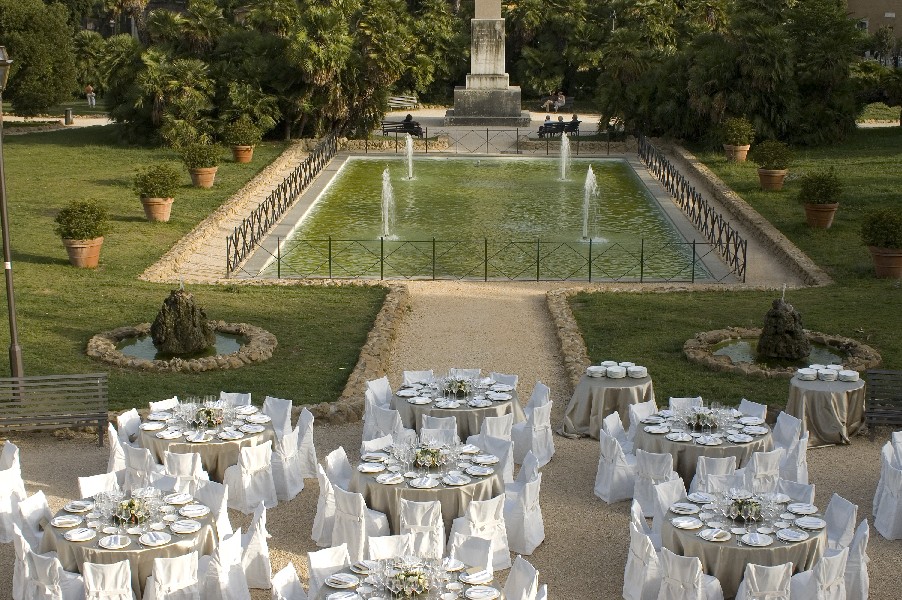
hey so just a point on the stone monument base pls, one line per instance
(498, 107)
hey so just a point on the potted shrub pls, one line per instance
(202, 161)
(82, 225)
(819, 191)
(242, 136)
(738, 133)
(882, 233)
(773, 158)
(156, 186)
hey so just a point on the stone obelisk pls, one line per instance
(488, 98)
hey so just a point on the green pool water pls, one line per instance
(490, 217)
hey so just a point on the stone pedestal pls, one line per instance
(487, 107)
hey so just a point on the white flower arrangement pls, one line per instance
(458, 385)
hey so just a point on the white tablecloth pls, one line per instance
(831, 411)
(596, 397)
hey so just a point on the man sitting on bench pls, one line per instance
(408, 125)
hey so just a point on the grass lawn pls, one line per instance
(320, 330)
(878, 111)
(650, 328)
(79, 107)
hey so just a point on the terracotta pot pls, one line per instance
(157, 209)
(203, 177)
(887, 261)
(736, 153)
(771, 180)
(84, 254)
(243, 154)
(820, 216)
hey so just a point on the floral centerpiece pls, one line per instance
(430, 457)
(460, 386)
(753, 504)
(698, 420)
(409, 580)
(133, 510)
(209, 417)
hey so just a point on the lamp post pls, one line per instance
(15, 351)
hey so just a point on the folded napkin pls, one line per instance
(345, 595)
(479, 576)
(482, 593)
(342, 579)
(80, 535)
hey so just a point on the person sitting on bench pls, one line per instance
(549, 102)
(412, 127)
(573, 125)
(559, 101)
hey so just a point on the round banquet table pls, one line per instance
(73, 555)
(831, 411)
(596, 397)
(685, 454)
(454, 499)
(216, 455)
(469, 419)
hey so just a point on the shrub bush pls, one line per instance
(820, 187)
(772, 155)
(201, 156)
(157, 181)
(738, 131)
(883, 229)
(82, 220)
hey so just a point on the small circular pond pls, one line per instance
(745, 350)
(142, 347)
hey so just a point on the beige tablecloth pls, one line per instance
(469, 420)
(454, 499)
(326, 591)
(597, 397)
(216, 455)
(73, 554)
(685, 454)
(727, 560)
(831, 411)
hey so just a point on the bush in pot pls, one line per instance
(881, 231)
(819, 191)
(773, 158)
(156, 186)
(738, 134)
(202, 161)
(82, 225)
(242, 135)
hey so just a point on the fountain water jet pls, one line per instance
(590, 191)
(388, 204)
(408, 152)
(565, 156)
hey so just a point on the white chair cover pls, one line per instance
(377, 444)
(286, 585)
(221, 575)
(424, 522)
(387, 421)
(887, 459)
(826, 581)
(250, 481)
(723, 483)
(187, 468)
(841, 516)
(786, 431)
(799, 492)
(858, 582)
(236, 398)
(642, 575)
(286, 466)
(522, 581)
(280, 411)
(682, 579)
(127, 425)
(306, 449)
(666, 494)
(141, 469)
(31, 515)
(542, 594)
(324, 563)
(504, 378)
(48, 581)
(382, 391)
(354, 523)
(707, 465)
(651, 469)
(216, 496)
(765, 583)
(90, 486)
(466, 373)
(116, 461)
(410, 377)
(338, 468)
(499, 427)
(163, 405)
(523, 519)
(888, 518)
(21, 549)
(613, 426)
(685, 403)
(384, 547)
(108, 582)
(541, 394)
(616, 476)
(174, 579)
(471, 550)
(753, 409)
(503, 449)
(255, 552)
(485, 518)
(794, 465)
(324, 520)
(529, 471)
(763, 470)
(12, 489)
(370, 426)
(445, 437)
(638, 520)
(534, 434)
(638, 412)
(431, 422)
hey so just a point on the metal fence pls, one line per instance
(248, 235)
(717, 230)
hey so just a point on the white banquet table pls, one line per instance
(596, 397)
(831, 411)
(469, 419)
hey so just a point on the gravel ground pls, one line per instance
(506, 328)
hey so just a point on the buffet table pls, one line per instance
(596, 397)
(831, 411)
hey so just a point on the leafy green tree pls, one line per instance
(89, 47)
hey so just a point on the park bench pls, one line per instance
(884, 399)
(411, 127)
(54, 401)
(566, 106)
(557, 128)
(396, 102)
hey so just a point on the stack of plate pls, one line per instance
(811, 523)
(848, 375)
(806, 374)
(817, 367)
(827, 374)
(637, 372)
(626, 364)
(616, 372)
(596, 371)
(609, 363)
(152, 426)
(185, 526)
(835, 367)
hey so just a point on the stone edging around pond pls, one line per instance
(259, 347)
(698, 350)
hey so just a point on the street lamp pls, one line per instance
(15, 352)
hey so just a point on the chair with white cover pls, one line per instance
(794, 465)
(164, 405)
(48, 581)
(709, 465)
(841, 516)
(325, 562)
(613, 426)
(503, 449)
(615, 479)
(109, 582)
(187, 468)
(534, 434)
(286, 466)
(858, 582)
(638, 520)
(465, 373)
(485, 518)
(887, 459)
(642, 575)
(383, 547)
(388, 421)
(685, 403)
(752, 409)
(718, 484)
(762, 471)
(141, 469)
(787, 431)
(424, 523)
(638, 412)
(529, 471)
(370, 426)
(667, 493)
(471, 550)
(220, 574)
(523, 519)
(90, 486)
(888, 516)
(216, 496)
(760, 582)
(31, 515)
(128, 425)
(305, 445)
(279, 410)
(541, 394)
(236, 399)
(21, 550)
(504, 378)
(286, 585)
(430, 422)
(12, 489)
(411, 377)
(682, 579)
(799, 492)
(174, 579)
(250, 481)
(651, 469)
(522, 581)
(826, 581)
(376, 445)
(499, 427)
(338, 468)
(542, 594)
(381, 390)
(116, 461)
(324, 520)
(255, 552)
(445, 437)
(354, 523)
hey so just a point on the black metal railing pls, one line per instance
(248, 235)
(731, 246)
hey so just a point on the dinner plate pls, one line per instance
(81, 534)
(194, 510)
(482, 592)
(687, 523)
(198, 437)
(685, 508)
(365, 567)
(479, 403)
(420, 400)
(63, 521)
(657, 429)
(801, 508)
(452, 564)
(810, 523)
(485, 459)
(740, 438)
(374, 456)
(185, 526)
(709, 440)
(178, 498)
(230, 435)
(456, 480)
(758, 540)
(447, 404)
(252, 428)
(114, 542)
(702, 497)
(498, 396)
(479, 471)
(258, 418)
(79, 506)
(469, 449)
(424, 483)
(653, 419)
(717, 525)
(476, 576)
(169, 434)
(342, 580)
(159, 416)
(154, 538)
(792, 535)
(390, 478)
(247, 409)
(502, 387)
(714, 535)
(407, 393)
(370, 467)
(679, 436)
(738, 530)
(756, 430)
(134, 530)
(152, 426)
(751, 420)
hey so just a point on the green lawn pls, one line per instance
(320, 330)
(878, 111)
(79, 107)
(650, 328)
